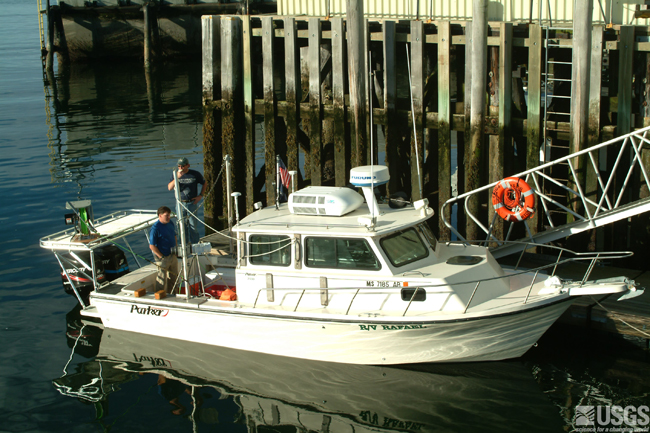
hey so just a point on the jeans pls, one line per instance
(191, 226)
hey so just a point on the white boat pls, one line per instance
(326, 277)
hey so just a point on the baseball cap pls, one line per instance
(183, 161)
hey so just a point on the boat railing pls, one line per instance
(562, 258)
(586, 199)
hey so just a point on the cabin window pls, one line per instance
(341, 253)
(404, 247)
(269, 250)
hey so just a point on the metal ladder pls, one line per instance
(552, 148)
(550, 82)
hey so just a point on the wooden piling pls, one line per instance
(339, 73)
(505, 95)
(49, 60)
(625, 73)
(477, 115)
(231, 118)
(391, 129)
(211, 58)
(149, 45)
(60, 44)
(268, 53)
(464, 141)
(496, 146)
(292, 91)
(501, 149)
(315, 107)
(581, 58)
(444, 125)
(417, 115)
(534, 119)
(212, 151)
(593, 132)
(624, 123)
(249, 113)
(356, 29)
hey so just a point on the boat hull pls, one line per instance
(351, 340)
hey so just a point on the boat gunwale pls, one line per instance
(237, 309)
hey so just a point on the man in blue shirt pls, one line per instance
(188, 181)
(162, 238)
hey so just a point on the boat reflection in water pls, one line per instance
(258, 393)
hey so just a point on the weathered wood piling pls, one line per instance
(454, 66)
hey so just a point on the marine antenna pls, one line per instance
(372, 146)
(415, 135)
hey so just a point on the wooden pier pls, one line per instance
(293, 73)
(81, 30)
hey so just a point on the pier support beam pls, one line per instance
(444, 125)
(270, 152)
(315, 118)
(356, 27)
(477, 113)
(534, 119)
(339, 73)
(581, 59)
(249, 114)
(391, 129)
(212, 153)
(231, 97)
(150, 36)
(417, 115)
(293, 92)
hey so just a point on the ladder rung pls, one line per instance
(560, 63)
(560, 96)
(558, 112)
(560, 79)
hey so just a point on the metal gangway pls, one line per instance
(612, 195)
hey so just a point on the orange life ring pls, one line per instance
(513, 199)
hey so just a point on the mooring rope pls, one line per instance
(616, 316)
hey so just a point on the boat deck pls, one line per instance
(611, 315)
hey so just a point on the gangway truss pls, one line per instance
(611, 197)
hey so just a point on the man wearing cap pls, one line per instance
(188, 181)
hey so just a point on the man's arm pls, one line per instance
(156, 251)
(171, 183)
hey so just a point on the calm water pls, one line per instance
(103, 138)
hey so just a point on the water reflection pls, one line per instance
(206, 385)
(104, 116)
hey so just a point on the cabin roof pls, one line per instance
(272, 220)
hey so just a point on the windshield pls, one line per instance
(428, 234)
(404, 247)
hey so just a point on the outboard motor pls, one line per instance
(83, 284)
(114, 261)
